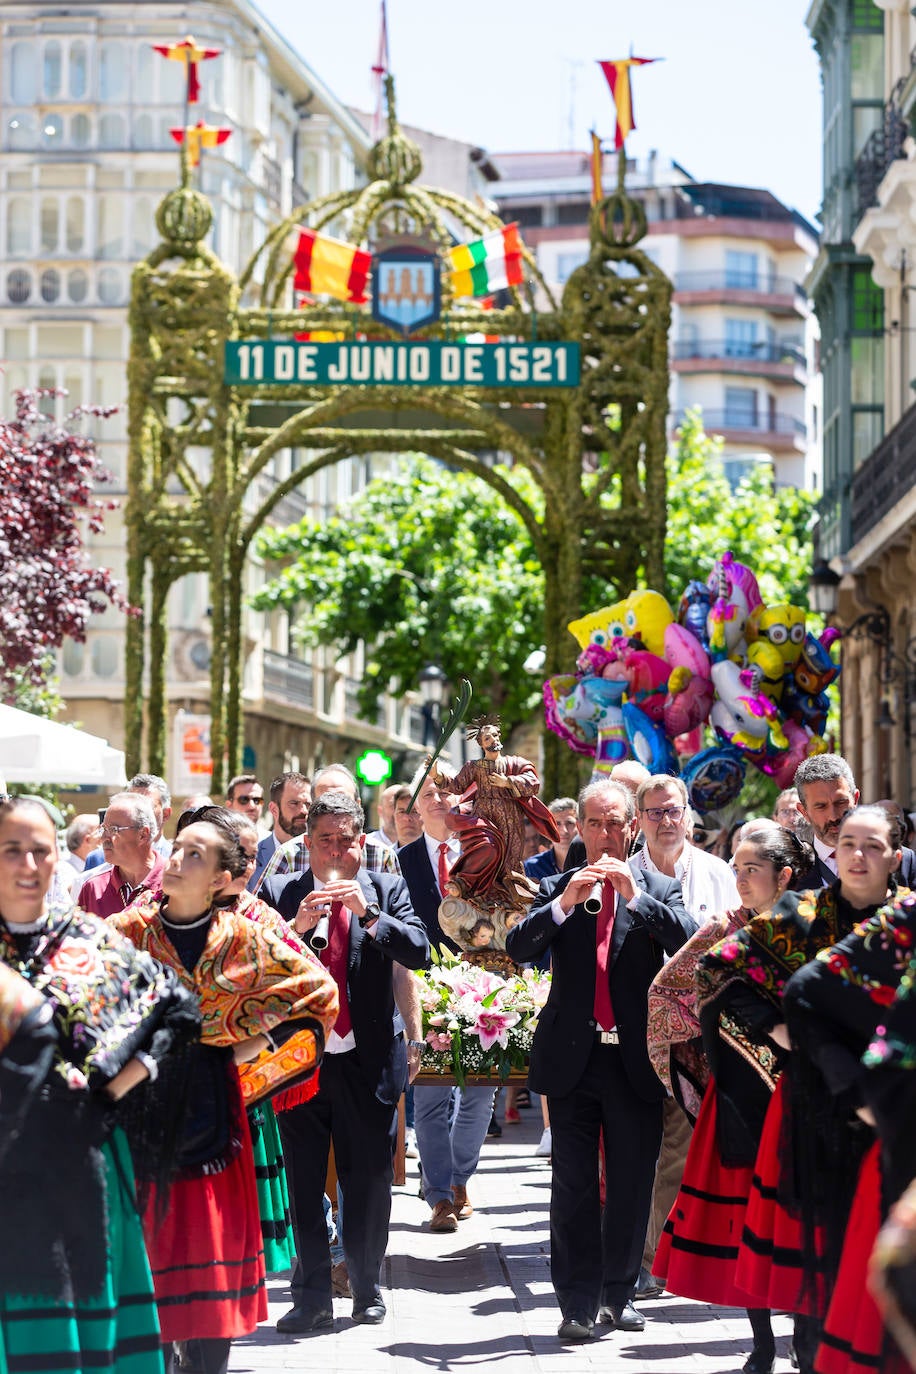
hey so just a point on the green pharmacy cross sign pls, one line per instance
(377, 363)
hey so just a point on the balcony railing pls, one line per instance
(882, 147)
(763, 352)
(884, 478)
(289, 679)
(715, 420)
(760, 283)
(351, 704)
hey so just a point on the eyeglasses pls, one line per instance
(246, 801)
(109, 831)
(658, 813)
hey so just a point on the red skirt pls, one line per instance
(207, 1257)
(770, 1255)
(853, 1340)
(698, 1249)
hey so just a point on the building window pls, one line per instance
(526, 216)
(22, 130)
(77, 285)
(111, 227)
(143, 79)
(143, 131)
(567, 264)
(740, 338)
(80, 131)
(112, 65)
(24, 73)
(19, 286)
(52, 70)
(47, 382)
(76, 225)
(111, 131)
(50, 227)
(741, 271)
(73, 656)
(740, 407)
(19, 228)
(50, 285)
(867, 303)
(104, 655)
(110, 286)
(576, 213)
(79, 66)
(144, 227)
(52, 131)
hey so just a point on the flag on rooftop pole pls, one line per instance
(330, 267)
(380, 70)
(190, 53)
(617, 74)
(198, 136)
(596, 162)
(488, 264)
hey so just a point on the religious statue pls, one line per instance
(487, 888)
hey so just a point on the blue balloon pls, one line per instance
(714, 777)
(648, 741)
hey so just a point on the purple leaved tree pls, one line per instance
(49, 587)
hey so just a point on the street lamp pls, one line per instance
(823, 585)
(432, 682)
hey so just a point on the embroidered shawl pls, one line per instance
(109, 999)
(674, 1033)
(248, 981)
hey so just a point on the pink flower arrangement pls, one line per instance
(475, 1021)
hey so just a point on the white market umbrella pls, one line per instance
(36, 750)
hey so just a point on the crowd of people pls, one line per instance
(189, 1026)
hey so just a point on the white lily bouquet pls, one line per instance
(476, 1021)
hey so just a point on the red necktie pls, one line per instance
(443, 867)
(335, 958)
(604, 1012)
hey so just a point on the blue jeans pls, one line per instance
(450, 1148)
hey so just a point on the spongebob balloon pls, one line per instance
(646, 618)
(601, 627)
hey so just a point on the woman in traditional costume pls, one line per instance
(699, 1245)
(890, 1091)
(833, 1007)
(261, 1001)
(782, 1262)
(75, 1286)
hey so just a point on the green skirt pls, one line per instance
(273, 1196)
(115, 1333)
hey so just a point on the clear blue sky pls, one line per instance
(737, 98)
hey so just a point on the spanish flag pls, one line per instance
(198, 136)
(188, 52)
(597, 161)
(488, 264)
(329, 267)
(618, 78)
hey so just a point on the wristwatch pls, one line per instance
(372, 913)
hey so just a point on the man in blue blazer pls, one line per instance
(368, 924)
(591, 1059)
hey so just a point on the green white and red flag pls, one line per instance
(488, 264)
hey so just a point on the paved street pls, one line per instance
(482, 1296)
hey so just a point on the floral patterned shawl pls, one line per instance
(248, 980)
(675, 1040)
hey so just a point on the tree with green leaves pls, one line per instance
(425, 564)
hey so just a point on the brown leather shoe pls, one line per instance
(463, 1205)
(444, 1217)
(340, 1280)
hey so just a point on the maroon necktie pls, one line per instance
(604, 1012)
(335, 958)
(443, 867)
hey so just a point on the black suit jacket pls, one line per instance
(566, 1028)
(400, 938)
(423, 886)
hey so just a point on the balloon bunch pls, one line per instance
(647, 682)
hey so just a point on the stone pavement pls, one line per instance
(481, 1298)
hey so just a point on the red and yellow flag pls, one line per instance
(188, 52)
(596, 162)
(198, 136)
(330, 267)
(618, 78)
